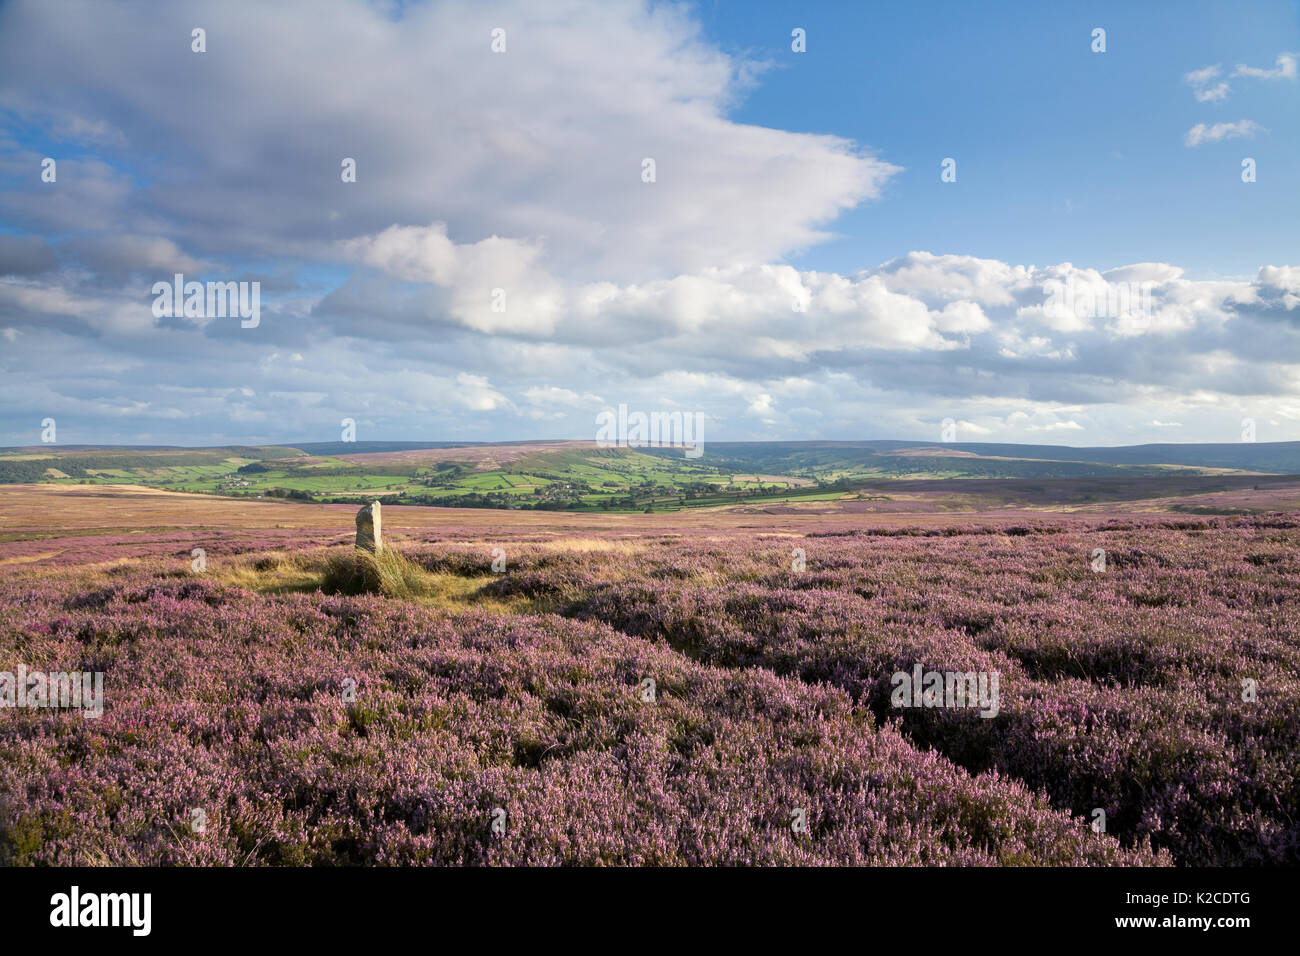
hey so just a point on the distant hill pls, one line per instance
(376, 447)
(1275, 457)
(242, 451)
(582, 475)
(782, 457)
(1264, 457)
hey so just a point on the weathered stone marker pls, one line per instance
(368, 529)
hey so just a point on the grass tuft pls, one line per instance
(391, 574)
(388, 573)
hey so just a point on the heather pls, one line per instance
(524, 691)
(1120, 690)
(230, 702)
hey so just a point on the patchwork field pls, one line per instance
(580, 476)
(702, 687)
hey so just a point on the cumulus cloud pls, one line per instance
(1207, 90)
(1284, 69)
(761, 408)
(544, 140)
(1201, 133)
(1203, 86)
(1212, 94)
(500, 269)
(855, 354)
(1204, 75)
(476, 393)
(942, 278)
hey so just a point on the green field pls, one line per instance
(592, 478)
(572, 476)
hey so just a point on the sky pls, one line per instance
(1045, 223)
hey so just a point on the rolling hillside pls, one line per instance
(580, 475)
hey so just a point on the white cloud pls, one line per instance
(1206, 90)
(935, 278)
(1282, 282)
(496, 284)
(551, 395)
(1212, 94)
(540, 145)
(522, 172)
(761, 408)
(1012, 344)
(861, 359)
(1284, 70)
(1070, 425)
(1201, 133)
(1200, 81)
(962, 316)
(1204, 75)
(476, 393)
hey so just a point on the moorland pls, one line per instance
(709, 686)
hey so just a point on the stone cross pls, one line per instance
(368, 529)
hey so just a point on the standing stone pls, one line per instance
(368, 530)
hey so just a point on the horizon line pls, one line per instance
(591, 441)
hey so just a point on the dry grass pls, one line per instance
(27, 559)
(393, 575)
(619, 546)
(274, 573)
(390, 574)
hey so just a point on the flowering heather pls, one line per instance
(303, 728)
(226, 702)
(1121, 690)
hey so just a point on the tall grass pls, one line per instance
(388, 573)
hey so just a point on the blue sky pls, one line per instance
(1063, 154)
(502, 267)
